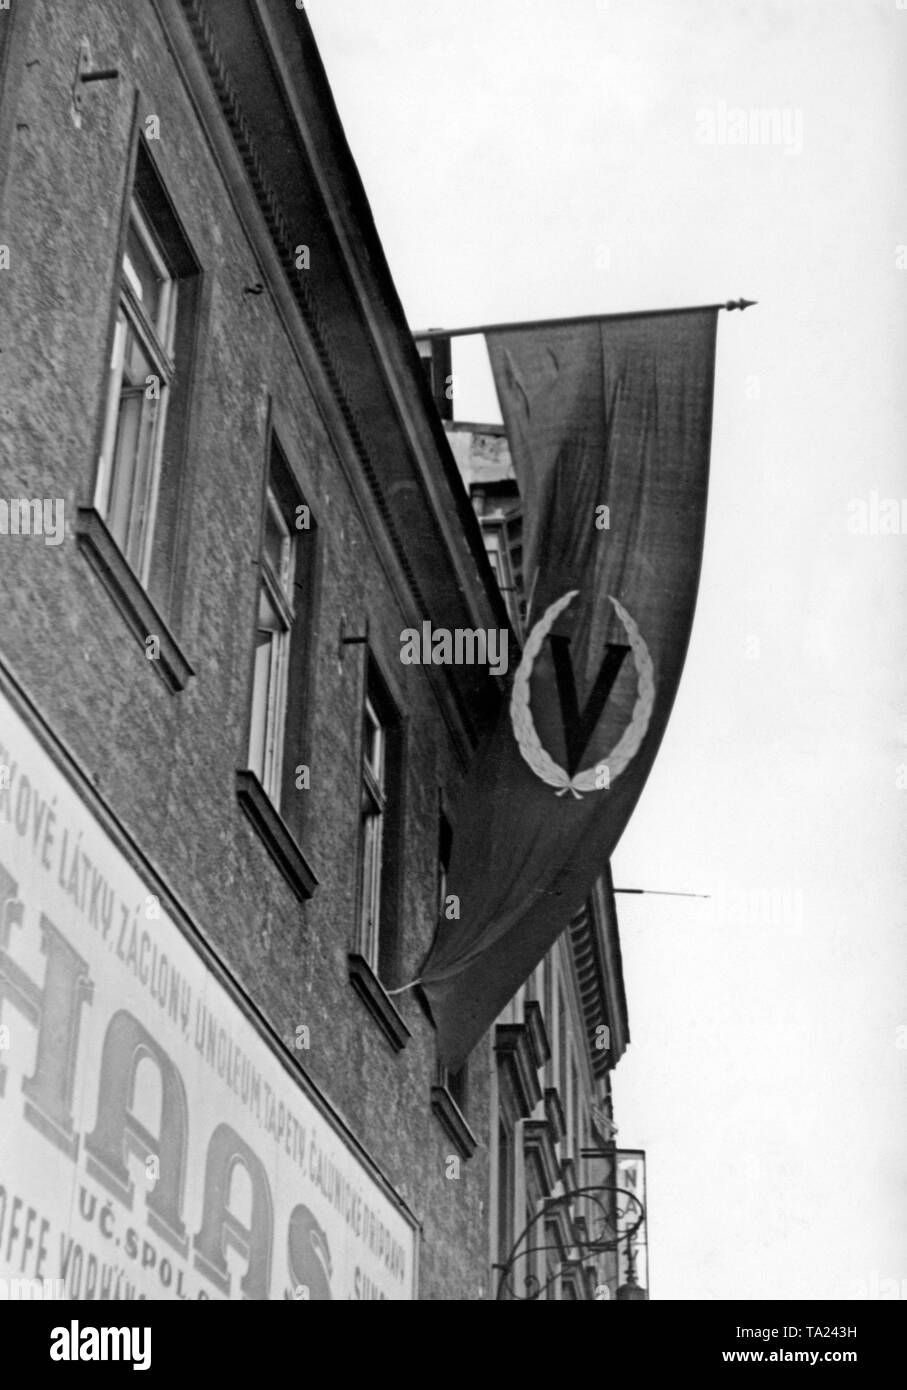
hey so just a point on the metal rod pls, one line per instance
(579, 319)
(661, 892)
(102, 75)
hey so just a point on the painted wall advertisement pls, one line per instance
(152, 1143)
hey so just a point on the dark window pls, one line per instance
(505, 1192)
(445, 844)
(554, 1255)
(455, 1081)
(562, 1030)
(379, 832)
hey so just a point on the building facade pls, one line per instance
(224, 802)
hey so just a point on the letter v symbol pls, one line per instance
(579, 726)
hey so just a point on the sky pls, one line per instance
(526, 160)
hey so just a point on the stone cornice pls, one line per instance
(595, 949)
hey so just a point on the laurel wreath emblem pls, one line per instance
(540, 761)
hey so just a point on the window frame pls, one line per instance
(379, 971)
(383, 798)
(497, 536)
(373, 790)
(508, 1176)
(150, 592)
(455, 1083)
(293, 588)
(505, 1188)
(132, 318)
(276, 590)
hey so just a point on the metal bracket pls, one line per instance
(344, 641)
(85, 73)
(615, 1215)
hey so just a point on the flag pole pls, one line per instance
(728, 304)
(661, 892)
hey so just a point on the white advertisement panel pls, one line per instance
(631, 1177)
(152, 1143)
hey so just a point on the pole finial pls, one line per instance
(740, 303)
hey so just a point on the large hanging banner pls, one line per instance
(152, 1143)
(609, 425)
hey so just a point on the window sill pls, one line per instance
(130, 598)
(378, 1002)
(275, 834)
(453, 1122)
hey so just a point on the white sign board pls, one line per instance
(631, 1177)
(152, 1143)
